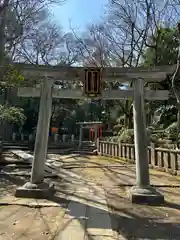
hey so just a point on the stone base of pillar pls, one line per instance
(147, 195)
(38, 191)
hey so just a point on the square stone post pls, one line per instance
(37, 187)
(80, 135)
(142, 192)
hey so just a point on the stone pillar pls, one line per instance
(80, 135)
(14, 136)
(22, 137)
(55, 137)
(142, 192)
(42, 134)
(30, 137)
(64, 137)
(98, 145)
(72, 138)
(140, 139)
(37, 188)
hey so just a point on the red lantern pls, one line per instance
(54, 130)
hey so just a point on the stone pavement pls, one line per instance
(133, 221)
(87, 221)
(97, 207)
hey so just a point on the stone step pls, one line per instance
(84, 152)
(85, 149)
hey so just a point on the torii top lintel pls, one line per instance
(150, 74)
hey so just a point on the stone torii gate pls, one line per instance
(141, 192)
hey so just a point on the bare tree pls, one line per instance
(40, 44)
(93, 46)
(69, 52)
(130, 26)
(19, 18)
(3, 10)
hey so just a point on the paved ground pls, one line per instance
(90, 203)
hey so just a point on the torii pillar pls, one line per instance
(37, 188)
(142, 192)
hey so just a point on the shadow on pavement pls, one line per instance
(125, 222)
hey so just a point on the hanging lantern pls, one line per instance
(92, 82)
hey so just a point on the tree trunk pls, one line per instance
(3, 9)
(5, 96)
(2, 40)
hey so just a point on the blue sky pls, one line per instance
(79, 12)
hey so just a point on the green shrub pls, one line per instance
(12, 115)
(171, 131)
(154, 137)
(127, 136)
(117, 128)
